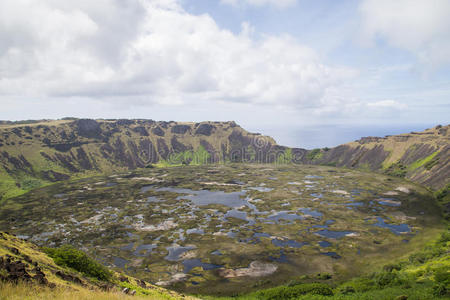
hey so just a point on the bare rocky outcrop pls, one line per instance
(255, 269)
(69, 277)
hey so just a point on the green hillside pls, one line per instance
(27, 272)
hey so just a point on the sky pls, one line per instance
(310, 73)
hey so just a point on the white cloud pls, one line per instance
(419, 26)
(147, 52)
(259, 3)
(386, 104)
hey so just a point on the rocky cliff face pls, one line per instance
(422, 157)
(40, 152)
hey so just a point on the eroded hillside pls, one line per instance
(422, 157)
(35, 154)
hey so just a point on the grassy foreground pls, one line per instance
(24, 291)
(26, 272)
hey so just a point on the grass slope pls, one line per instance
(57, 287)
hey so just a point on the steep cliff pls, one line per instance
(36, 153)
(422, 157)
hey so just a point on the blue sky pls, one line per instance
(309, 73)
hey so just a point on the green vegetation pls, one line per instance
(293, 292)
(58, 281)
(67, 256)
(314, 154)
(428, 162)
(30, 183)
(285, 158)
(397, 169)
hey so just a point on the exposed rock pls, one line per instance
(14, 250)
(205, 129)
(40, 276)
(54, 176)
(403, 189)
(177, 146)
(69, 277)
(180, 129)
(342, 192)
(166, 225)
(163, 150)
(125, 122)
(141, 130)
(158, 131)
(88, 128)
(256, 269)
(391, 193)
(16, 270)
(142, 284)
(175, 278)
(106, 286)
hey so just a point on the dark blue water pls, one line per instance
(288, 243)
(324, 244)
(205, 197)
(281, 259)
(189, 264)
(127, 247)
(140, 250)
(383, 201)
(284, 215)
(313, 213)
(396, 229)
(261, 234)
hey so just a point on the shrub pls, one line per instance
(385, 279)
(439, 289)
(67, 256)
(392, 267)
(346, 289)
(442, 276)
(314, 154)
(397, 170)
(362, 284)
(389, 279)
(285, 292)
